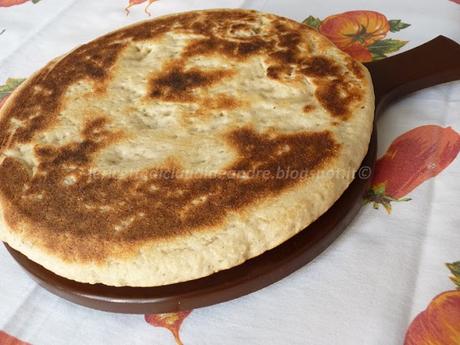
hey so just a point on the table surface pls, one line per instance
(384, 281)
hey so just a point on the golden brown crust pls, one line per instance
(161, 206)
(81, 215)
(176, 85)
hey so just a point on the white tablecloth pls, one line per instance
(367, 287)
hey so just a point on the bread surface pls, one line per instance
(178, 147)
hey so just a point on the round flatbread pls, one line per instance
(177, 147)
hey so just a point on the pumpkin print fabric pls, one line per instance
(439, 323)
(361, 34)
(170, 321)
(411, 159)
(9, 3)
(138, 2)
(7, 339)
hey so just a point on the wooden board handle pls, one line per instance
(435, 62)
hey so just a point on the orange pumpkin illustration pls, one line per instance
(360, 33)
(355, 28)
(439, 324)
(412, 158)
(171, 321)
(9, 3)
(6, 339)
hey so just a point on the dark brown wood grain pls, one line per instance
(435, 62)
